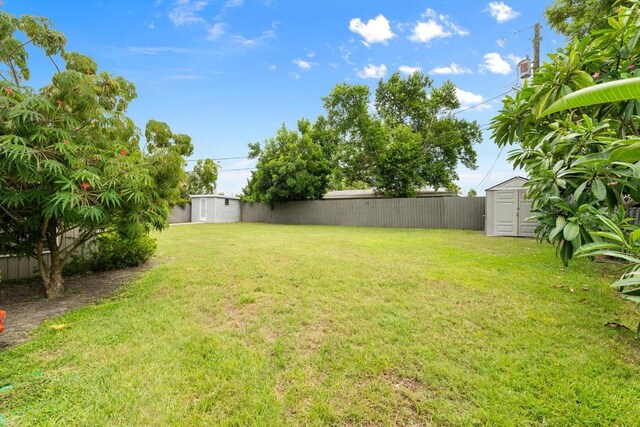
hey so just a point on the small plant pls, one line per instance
(111, 252)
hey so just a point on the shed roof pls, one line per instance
(522, 179)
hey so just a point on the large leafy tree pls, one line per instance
(202, 180)
(70, 156)
(409, 139)
(578, 160)
(291, 166)
(577, 18)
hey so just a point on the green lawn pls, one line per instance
(270, 325)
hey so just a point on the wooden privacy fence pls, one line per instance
(180, 214)
(465, 213)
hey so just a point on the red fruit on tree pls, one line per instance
(8, 90)
(84, 186)
(65, 142)
(58, 102)
(123, 152)
(89, 71)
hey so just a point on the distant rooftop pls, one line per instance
(369, 193)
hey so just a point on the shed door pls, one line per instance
(525, 228)
(506, 213)
(203, 210)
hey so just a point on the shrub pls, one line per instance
(111, 252)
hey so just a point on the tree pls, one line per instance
(202, 180)
(69, 155)
(291, 166)
(472, 193)
(361, 136)
(569, 156)
(577, 18)
(376, 148)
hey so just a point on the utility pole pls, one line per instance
(536, 46)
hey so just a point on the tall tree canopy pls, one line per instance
(409, 139)
(202, 180)
(577, 18)
(291, 166)
(69, 155)
(405, 138)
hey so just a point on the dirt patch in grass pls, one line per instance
(27, 307)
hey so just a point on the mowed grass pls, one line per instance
(254, 324)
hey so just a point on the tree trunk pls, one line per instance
(54, 285)
(51, 275)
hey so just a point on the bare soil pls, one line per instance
(26, 305)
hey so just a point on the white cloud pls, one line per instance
(272, 67)
(311, 54)
(345, 53)
(215, 31)
(437, 26)
(502, 12)
(302, 64)
(376, 30)
(500, 42)
(426, 31)
(185, 12)
(494, 63)
(451, 69)
(406, 69)
(515, 59)
(468, 99)
(233, 3)
(247, 42)
(372, 72)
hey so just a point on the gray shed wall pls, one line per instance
(216, 210)
(466, 213)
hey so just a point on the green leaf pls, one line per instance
(598, 189)
(571, 231)
(619, 90)
(629, 153)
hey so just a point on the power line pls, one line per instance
(490, 169)
(481, 103)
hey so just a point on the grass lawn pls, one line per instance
(270, 325)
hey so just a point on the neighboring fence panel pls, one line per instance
(180, 214)
(466, 213)
(12, 267)
(635, 214)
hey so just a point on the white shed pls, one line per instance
(507, 210)
(214, 208)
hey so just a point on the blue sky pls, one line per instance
(230, 72)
